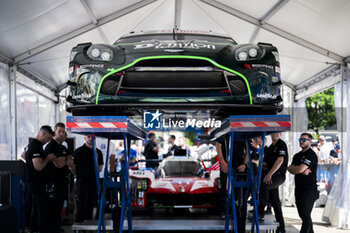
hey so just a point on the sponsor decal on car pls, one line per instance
(174, 45)
(82, 96)
(262, 66)
(277, 69)
(275, 79)
(277, 57)
(266, 96)
(71, 70)
(93, 66)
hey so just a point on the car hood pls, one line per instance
(182, 185)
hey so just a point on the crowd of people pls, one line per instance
(49, 161)
(274, 168)
(327, 152)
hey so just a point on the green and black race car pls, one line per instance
(174, 69)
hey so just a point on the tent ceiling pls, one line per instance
(311, 35)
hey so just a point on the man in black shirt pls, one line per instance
(151, 151)
(57, 186)
(37, 173)
(239, 162)
(304, 167)
(86, 187)
(273, 175)
(173, 146)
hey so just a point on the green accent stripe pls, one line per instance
(112, 71)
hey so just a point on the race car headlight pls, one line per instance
(248, 52)
(106, 56)
(253, 52)
(95, 53)
(100, 52)
(242, 56)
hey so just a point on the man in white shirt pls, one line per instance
(325, 149)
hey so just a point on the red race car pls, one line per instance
(179, 182)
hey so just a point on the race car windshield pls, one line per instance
(196, 37)
(181, 168)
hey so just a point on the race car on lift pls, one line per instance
(179, 182)
(174, 69)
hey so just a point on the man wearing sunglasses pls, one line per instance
(304, 166)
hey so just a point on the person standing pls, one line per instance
(325, 149)
(239, 163)
(173, 146)
(151, 151)
(37, 173)
(58, 184)
(273, 175)
(304, 167)
(86, 187)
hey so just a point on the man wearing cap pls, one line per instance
(304, 167)
(86, 187)
(37, 173)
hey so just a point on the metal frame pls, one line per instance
(274, 30)
(253, 126)
(177, 17)
(267, 16)
(111, 127)
(77, 32)
(327, 75)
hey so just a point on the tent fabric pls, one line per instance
(49, 25)
(33, 111)
(5, 132)
(299, 126)
(337, 209)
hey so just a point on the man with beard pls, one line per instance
(304, 167)
(57, 186)
(37, 162)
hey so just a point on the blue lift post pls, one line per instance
(247, 127)
(110, 127)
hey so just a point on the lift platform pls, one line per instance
(245, 128)
(110, 127)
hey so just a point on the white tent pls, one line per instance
(36, 38)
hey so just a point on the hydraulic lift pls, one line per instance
(110, 127)
(245, 128)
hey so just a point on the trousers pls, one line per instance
(304, 200)
(86, 199)
(39, 207)
(269, 193)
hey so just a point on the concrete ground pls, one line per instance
(292, 221)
